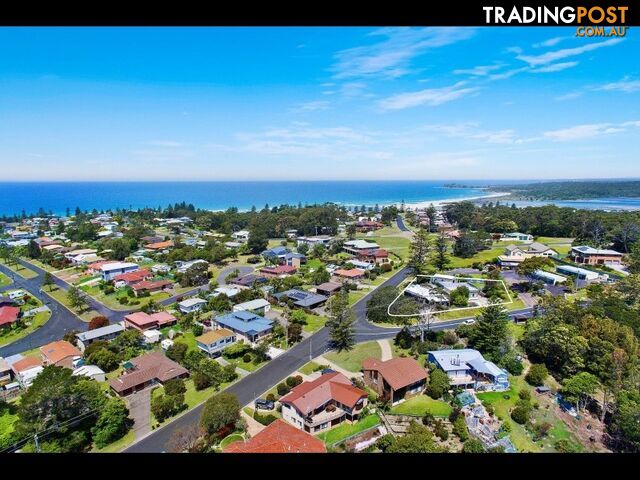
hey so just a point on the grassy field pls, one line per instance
(420, 405)
(398, 245)
(309, 368)
(314, 323)
(5, 280)
(516, 305)
(60, 295)
(346, 430)
(20, 269)
(11, 335)
(112, 302)
(352, 360)
(248, 366)
(551, 241)
(482, 257)
(229, 439)
(250, 411)
(39, 264)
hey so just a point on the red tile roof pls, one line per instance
(352, 273)
(308, 396)
(279, 270)
(279, 437)
(398, 372)
(133, 277)
(142, 319)
(159, 245)
(8, 315)
(97, 265)
(148, 367)
(25, 364)
(56, 351)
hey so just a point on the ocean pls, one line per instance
(57, 197)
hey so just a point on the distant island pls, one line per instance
(571, 190)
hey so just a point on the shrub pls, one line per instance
(246, 358)
(536, 375)
(270, 397)
(460, 428)
(237, 350)
(264, 419)
(490, 408)
(201, 381)
(294, 381)
(282, 389)
(197, 329)
(473, 446)
(428, 419)
(520, 414)
(524, 394)
(565, 446)
(441, 430)
(174, 386)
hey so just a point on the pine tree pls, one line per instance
(341, 324)
(419, 252)
(441, 260)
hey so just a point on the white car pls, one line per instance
(470, 321)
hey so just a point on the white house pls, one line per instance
(548, 277)
(184, 266)
(580, 273)
(191, 305)
(90, 371)
(241, 236)
(259, 306)
(112, 270)
(151, 336)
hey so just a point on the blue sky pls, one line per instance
(317, 103)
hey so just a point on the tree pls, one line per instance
(418, 439)
(320, 275)
(175, 386)
(47, 280)
(473, 446)
(33, 250)
(633, 259)
(536, 375)
(258, 241)
(439, 383)
(441, 259)
(351, 231)
(490, 334)
(220, 411)
(185, 439)
(459, 297)
(531, 264)
(432, 216)
(579, 388)
(341, 322)
(104, 359)
(625, 424)
(195, 275)
(460, 428)
(177, 351)
(98, 322)
(76, 298)
(112, 423)
(419, 251)
(165, 406)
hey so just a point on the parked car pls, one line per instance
(262, 404)
(470, 321)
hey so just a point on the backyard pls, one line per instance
(352, 360)
(347, 430)
(420, 405)
(10, 335)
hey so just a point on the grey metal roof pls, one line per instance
(100, 332)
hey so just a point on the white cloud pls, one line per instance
(569, 96)
(478, 71)
(392, 57)
(428, 96)
(581, 132)
(550, 57)
(311, 106)
(625, 85)
(551, 42)
(554, 67)
(508, 74)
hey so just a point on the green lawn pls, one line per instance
(8, 418)
(399, 352)
(60, 295)
(10, 335)
(309, 368)
(352, 360)
(248, 366)
(398, 245)
(118, 445)
(314, 323)
(314, 263)
(112, 302)
(39, 264)
(229, 439)
(551, 241)
(21, 270)
(420, 405)
(482, 257)
(346, 430)
(516, 305)
(5, 280)
(355, 295)
(250, 411)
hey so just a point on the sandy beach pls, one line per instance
(441, 203)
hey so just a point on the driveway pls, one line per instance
(140, 412)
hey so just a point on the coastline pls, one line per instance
(442, 203)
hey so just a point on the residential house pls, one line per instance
(323, 240)
(82, 256)
(232, 244)
(95, 267)
(6, 301)
(396, 379)
(328, 288)
(360, 247)
(279, 271)
(258, 306)
(367, 225)
(294, 259)
(246, 325)
(427, 294)
(516, 236)
(8, 316)
(467, 368)
(151, 286)
(60, 353)
(580, 273)
(549, 277)
(276, 253)
(301, 299)
(151, 239)
(143, 321)
(26, 370)
(514, 255)
(375, 257)
(146, 370)
(249, 280)
(90, 371)
(291, 233)
(184, 266)
(130, 278)
(191, 305)
(230, 292)
(278, 437)
(214, 342)
(449, 283)
(159, 246)
(108, 333)
(112, 270)
(241, 236)
(323, 403)
(160, 269)
(351, 274)
(595, 256)
(362, 265)
(5, 372)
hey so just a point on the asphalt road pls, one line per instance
(401, 224)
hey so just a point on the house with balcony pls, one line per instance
(467, 368)
(246, 325)
(323, 403)
(595, 256)
(396, 379)
(214, 342)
